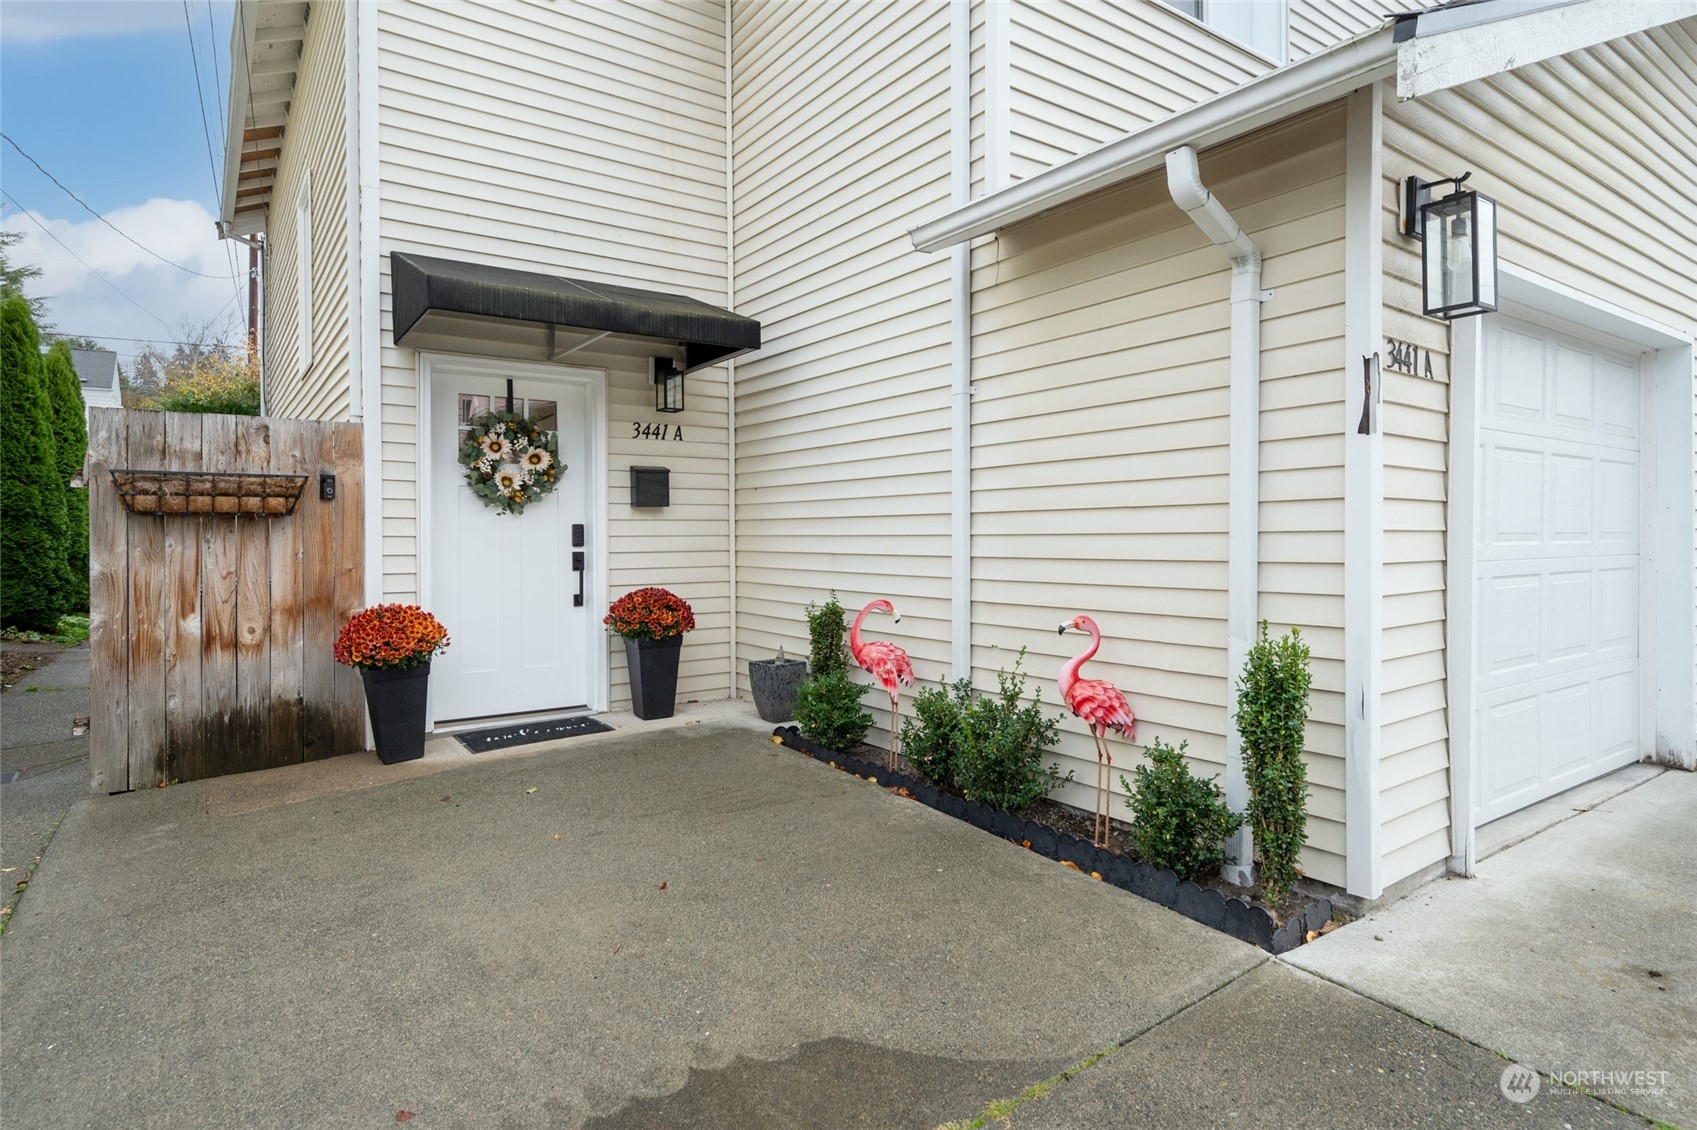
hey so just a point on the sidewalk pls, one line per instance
(37, 743)
(684, 926)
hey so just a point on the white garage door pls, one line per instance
(1556, 697)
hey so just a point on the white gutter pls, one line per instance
(731, 365)
(960, 349)
(1316, 80)
(1184, 181)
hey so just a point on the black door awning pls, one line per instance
(707, 333)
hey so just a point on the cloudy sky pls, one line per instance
(102, 95)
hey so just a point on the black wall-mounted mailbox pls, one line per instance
(650, 486)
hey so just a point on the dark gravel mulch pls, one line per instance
(1064, 833)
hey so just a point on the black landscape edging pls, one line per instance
(1234, 916)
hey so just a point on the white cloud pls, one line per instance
(165, 298)
(43, 21)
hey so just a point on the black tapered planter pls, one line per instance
(395, 699)
(653, 676)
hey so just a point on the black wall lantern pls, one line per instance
(1459, 256)
(668, 384)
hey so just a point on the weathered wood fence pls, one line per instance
(212, 628)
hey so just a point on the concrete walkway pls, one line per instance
(1574, 951)
(38, 743)
(685, 926)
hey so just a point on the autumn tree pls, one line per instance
(201, 374)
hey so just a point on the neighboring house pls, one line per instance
(953, 339)
(97, 372)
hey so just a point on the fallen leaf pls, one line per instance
(1026, 844)
(900, 790)
(1331, 924)
(1311, 935)
(1097, 875)
(556, 837)
(661, 887)
(404, 1116)
(530, 790)
(776, 740)
(1069, 863)
(874, 780)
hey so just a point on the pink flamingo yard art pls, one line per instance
(887, 663)
(1103, 708)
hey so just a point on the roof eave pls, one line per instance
(243, 27)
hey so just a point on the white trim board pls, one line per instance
(597, 563)
(1668, 546)
(1364, 497)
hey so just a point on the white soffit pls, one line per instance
(1440, 56)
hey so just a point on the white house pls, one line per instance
(1009, 310)
(97, 373)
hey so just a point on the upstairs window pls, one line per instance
(1259, 24)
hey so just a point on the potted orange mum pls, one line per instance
(652, 622)
(392, 646)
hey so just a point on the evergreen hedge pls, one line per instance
(70, 433)
(33, 571)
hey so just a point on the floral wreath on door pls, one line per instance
(510, 460)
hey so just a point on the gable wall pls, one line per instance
(1100, 449)
(538, 136)
(1590, 158)
(841, 137)
(315, 147)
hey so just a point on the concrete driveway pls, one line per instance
(684, 927)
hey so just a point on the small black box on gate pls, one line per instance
(650, 486)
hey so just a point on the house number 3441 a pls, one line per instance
(656, 431)
(1406, 357)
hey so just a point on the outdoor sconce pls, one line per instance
(668, 384)
(1459, 260)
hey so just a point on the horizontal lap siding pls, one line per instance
(1590, 158)
(1101, 443)
(315, 145)
(1086, 73)
(1318, 24)
(536, 136)
(841, 137)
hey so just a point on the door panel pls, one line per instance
(1556, 647)
(503, 583)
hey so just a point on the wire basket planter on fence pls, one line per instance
(208, 492)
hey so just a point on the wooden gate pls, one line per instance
(213, 615)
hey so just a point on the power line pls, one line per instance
(218, 85)
(104, 220)
(205, 130)
(80, 259)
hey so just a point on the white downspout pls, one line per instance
(960, 348)
(1184, 181)
(731, 365)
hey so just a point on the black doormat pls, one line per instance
(500, 737)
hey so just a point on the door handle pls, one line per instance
(577, 567)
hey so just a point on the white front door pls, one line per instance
(504, 584)
(1556, 695)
